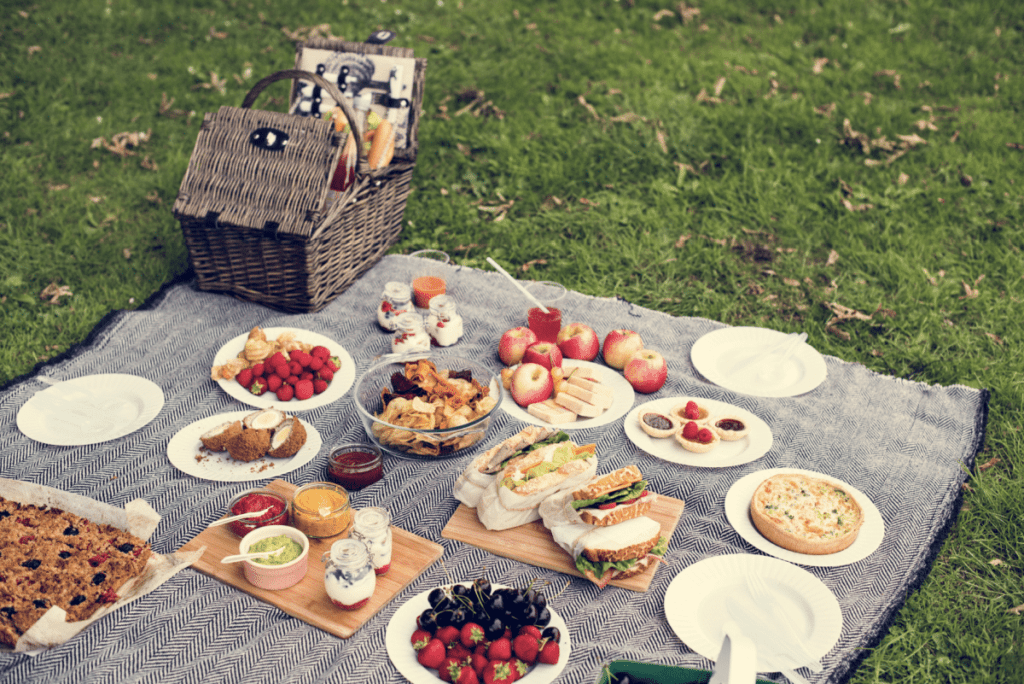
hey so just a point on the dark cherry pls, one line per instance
(494, 629)
(428, 620)
(436, 596)
(496, 604)
(730, 424)
(551, 633)
(540, 601)
(657, 421)
(460, 590)
(530, 614)
(444, 618)
(483, 585)
(543, 617)
(459, 617)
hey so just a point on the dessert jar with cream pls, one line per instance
(349, 578)
(372, 526)
(321, 509)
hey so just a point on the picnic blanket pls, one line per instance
(908, 446)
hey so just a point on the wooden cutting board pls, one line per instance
(308, 600)
(532, 543)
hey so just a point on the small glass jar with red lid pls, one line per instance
(255, 500)
(355, 465)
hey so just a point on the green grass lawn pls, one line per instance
(852, 169)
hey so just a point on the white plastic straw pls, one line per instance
(515, 282)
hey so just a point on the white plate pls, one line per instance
(737, 510)
(185, 446)
(398, 640)
(695, 602)
(623, 401)
(341, 383)
(752, 447)
(717, 354)
(113, 405)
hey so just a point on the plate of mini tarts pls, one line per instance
(706, 439)
(729, 428)
(657, 424)
(678, 411)
(752, 446)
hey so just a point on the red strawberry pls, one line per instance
(282, 370)
(294, 354)
(448, 635)
(258, 386)
(244, 377)
(306, 376)
(334, 363)
(319, 386)
(471, 635)
(421, 638)
(325, 374)
(705, 436)
(315, 364)
(458, 651)
(305, 359)
(320, 352)
(258, 369)
(481, 648)
(548, 653)
(285, 393)
(449, 669)
(498, 672)
(467, 675)
(292, 380)
(478, 661)
(431, 655)
(500, 649)
(692, 412)
(519, 668)
(690, 430)
(295, 367)
(274, 382)
(526, 647)
(532, 630)
(303, 389)
(276, 358)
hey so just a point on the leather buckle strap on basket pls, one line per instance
(253, 203)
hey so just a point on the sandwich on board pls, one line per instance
(602, 525)
(483, 470)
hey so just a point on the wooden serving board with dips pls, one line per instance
(532, 543)
(308, 600)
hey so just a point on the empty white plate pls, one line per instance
(727, 357)
(90, 409)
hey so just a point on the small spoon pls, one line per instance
(232, 518)
(252, 556)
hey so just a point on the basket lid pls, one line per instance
(262, 170)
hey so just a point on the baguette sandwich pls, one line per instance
(515, 494)
(606, 500)
(614, 552)
(482, 471)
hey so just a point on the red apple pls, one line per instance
(646, 371)
(579, 341)
(545, 354)
(531, 383)
(620, 345)
(514, 344)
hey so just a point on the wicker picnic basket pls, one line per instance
(254, 210)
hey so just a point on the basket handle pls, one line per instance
(291, 74)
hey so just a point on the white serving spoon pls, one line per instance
(241, 516)
(252, 556)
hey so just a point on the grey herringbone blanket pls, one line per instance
(908, 446)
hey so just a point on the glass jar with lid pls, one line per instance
(349, 578)
(395, 301)
(372, 526)
(410, 335)
(444, 324)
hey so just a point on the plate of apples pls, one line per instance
(558, 383)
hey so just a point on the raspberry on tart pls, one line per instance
(691, 410)
(730, 428)
(696, 438)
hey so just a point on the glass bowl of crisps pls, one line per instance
(431, 408)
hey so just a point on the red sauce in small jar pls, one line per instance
(355, 466)
(250, 503)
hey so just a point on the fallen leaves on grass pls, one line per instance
(996, 562)
(842, 314)
(833, 257)
(122, 144)
(1017, 610)
(165, 108)
(688, 14)
(773, 90)
(990, 463)
(867, 145)
(475, 105)
(4, 96)
(826, 110)
(58, 187)
(969, 292)
(819, 65)
(304, 33)
(32, 49)
(995, 338)
(216, 83)
(1015, 146)
(681, 242)
(849, 193)
(931, 278)
(889, 73)
(54, 292)
(531, 263)
(149, 164)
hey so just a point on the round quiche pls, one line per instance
(806, 514)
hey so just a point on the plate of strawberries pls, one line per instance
(478, 633)
(284, 367)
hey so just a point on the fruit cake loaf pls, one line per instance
(50, 557)
(806, 514)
